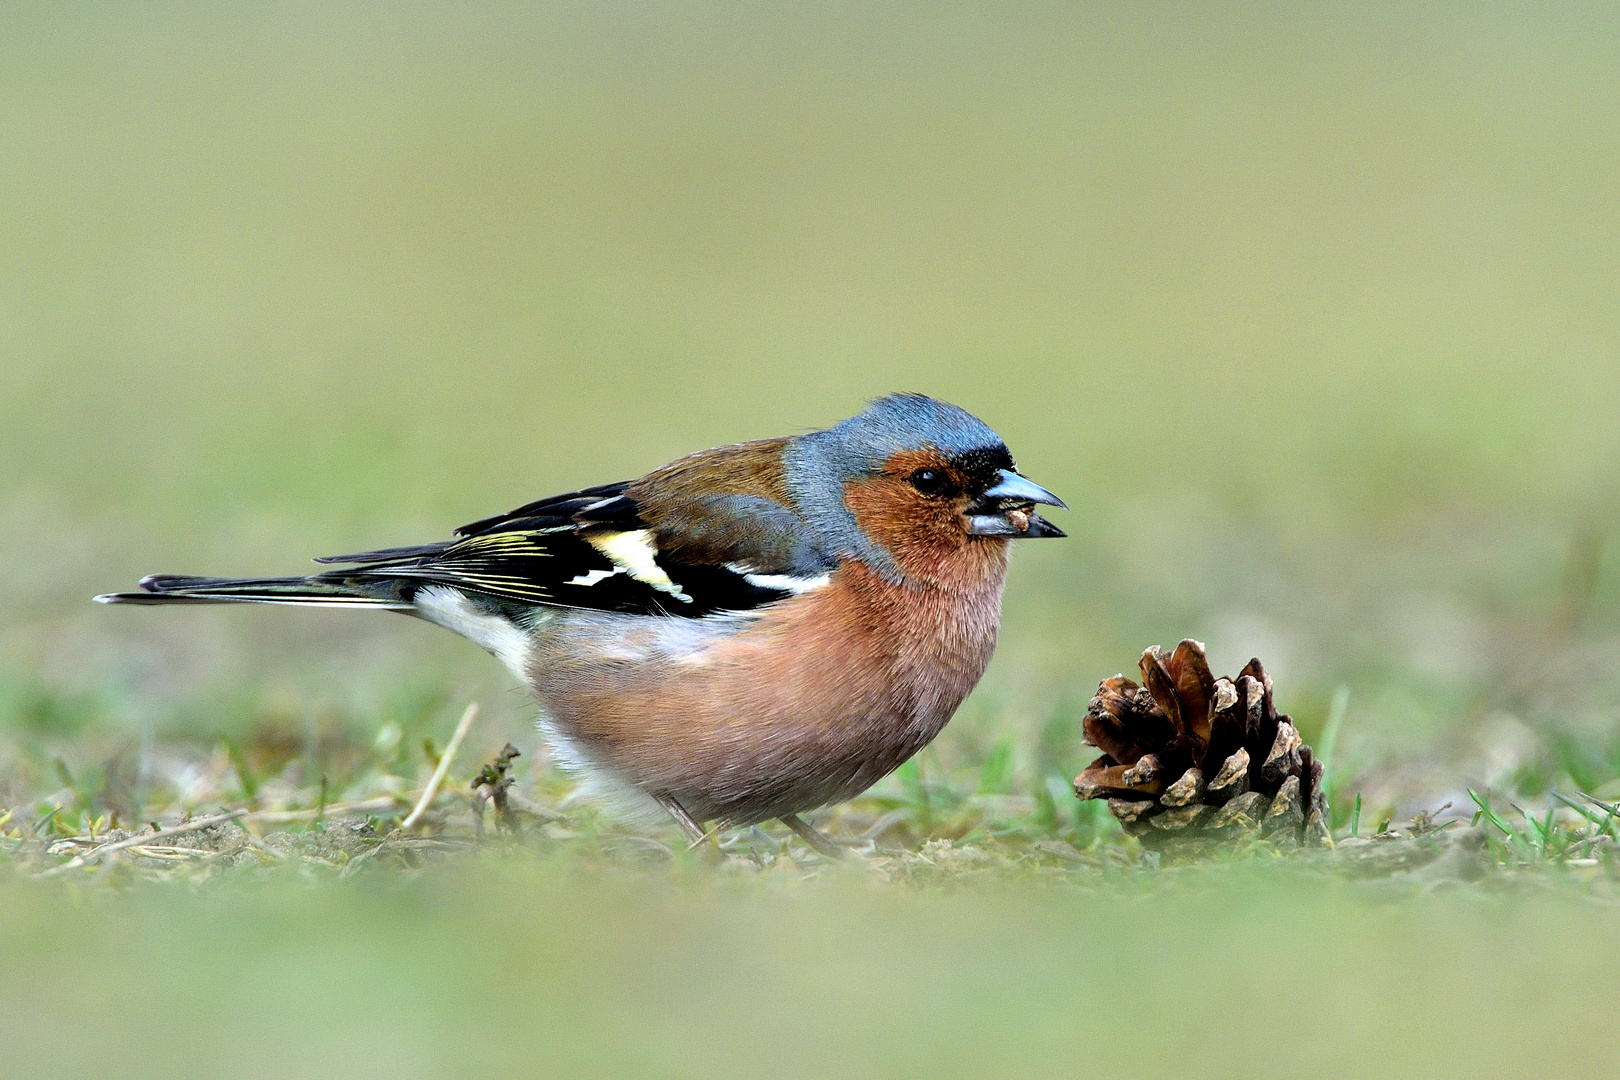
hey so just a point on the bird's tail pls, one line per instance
(325, 590)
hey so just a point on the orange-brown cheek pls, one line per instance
(919, 533)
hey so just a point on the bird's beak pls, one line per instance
(1007, 509)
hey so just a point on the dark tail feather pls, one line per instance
(308, 592)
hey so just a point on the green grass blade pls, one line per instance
(1484, 804)
(995, 775)
(1330, 732)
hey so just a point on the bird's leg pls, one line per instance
(810, 835)
(694, 832)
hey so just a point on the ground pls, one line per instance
(961, 935)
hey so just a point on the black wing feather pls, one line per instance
(419, 551)
(557, 510)
(541, 554)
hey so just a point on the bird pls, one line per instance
(748, 633)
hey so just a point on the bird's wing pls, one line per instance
(694, 538)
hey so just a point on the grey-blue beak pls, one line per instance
(1006, 509)
(1011, 488)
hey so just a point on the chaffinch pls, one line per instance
(747, 633)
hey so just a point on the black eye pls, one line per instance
(929, 481)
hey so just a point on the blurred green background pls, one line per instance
(1312, 314)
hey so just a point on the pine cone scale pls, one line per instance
(1107, 733)
(1233, 779)
(1105, 778)
(1283, 760)
(1246, 811)
(1190, 788)
(1195, 688)
(1163, 689)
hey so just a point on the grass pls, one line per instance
(570, 951)
(975, 934)
(978, 805)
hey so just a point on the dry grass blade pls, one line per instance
(528, 806)
(163, 851)
(704, 839)
(142, 841)
(437, 778)
(286, 817)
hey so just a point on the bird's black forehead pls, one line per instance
(983, 462)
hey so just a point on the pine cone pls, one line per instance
(1189, 756)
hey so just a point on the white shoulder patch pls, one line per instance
(783, 582)
(635, 554)
(594, 576)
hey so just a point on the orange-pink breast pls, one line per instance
(808, 703)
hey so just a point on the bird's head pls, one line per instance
(914, 486)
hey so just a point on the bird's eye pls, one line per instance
(929, 481)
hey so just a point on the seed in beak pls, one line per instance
(1019, 519)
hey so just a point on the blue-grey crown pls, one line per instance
(820, 463)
